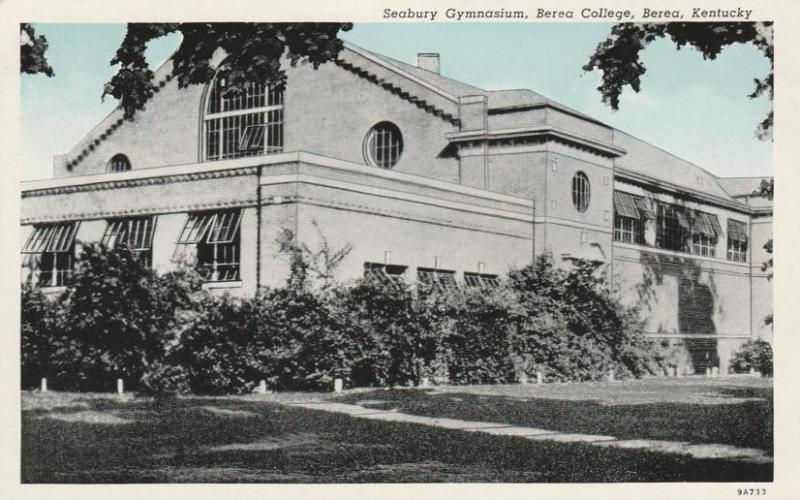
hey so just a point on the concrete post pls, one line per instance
(424, 382)
(120, 386)
(338, 385)
(539, 378)
(523, 378)
(611, 375)
(262, 387)
(44, 384)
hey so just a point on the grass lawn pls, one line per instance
(87, 438)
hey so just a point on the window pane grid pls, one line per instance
(383, 145)
(628, 230)
(580, 191)
(246, 133)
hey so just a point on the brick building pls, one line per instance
(424, 176)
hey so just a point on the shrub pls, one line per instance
(756, 355)
(119, 319)
(575, 328)
(40, 333)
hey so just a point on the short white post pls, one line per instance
(611, 375)
(44, 384)
(120, 386)
(523, 378)
(752, 371)
(708, 371)
(338, 385)
(539, 378)
(425, 382)
(262, 387)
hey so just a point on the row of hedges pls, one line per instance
(118, 319)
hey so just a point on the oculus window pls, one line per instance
(383, 145)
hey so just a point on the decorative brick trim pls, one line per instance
(169, 209)
(110, 129)
(402, 94)
(146, 181)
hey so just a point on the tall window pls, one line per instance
(50, 250)
(670, 227)
(737, 241)
(383, 145)
(136, 233)
(119, 163)
(581, 192)
(216, 236)
(249, 123)
(628, 227)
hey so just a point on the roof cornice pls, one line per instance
(643, 179)
(603, 148)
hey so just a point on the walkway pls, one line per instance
(708, 450)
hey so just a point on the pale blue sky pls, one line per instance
(698, 110)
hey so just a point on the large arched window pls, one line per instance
(119, 163)
(249, 123)
(581, 192)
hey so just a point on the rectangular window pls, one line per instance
(737, 241)
(216, 235)
(384, 273)
(136, 233)
(50, 250)
(628, 226)
(671, 227)
(628, 230)
(482, 281)
(705, 231)
(439, 279)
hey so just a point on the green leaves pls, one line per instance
(32, 50)
(617, 56)
(254, 53)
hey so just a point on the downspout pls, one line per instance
(258, 228)
(750, 269)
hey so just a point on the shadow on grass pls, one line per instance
(744, 422)
(230, 440)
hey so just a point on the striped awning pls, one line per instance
(136, 233)
(626, 205)
(211, 227)
(645, 208)
(57, 238)
(683, 218)
(737, 231)
(707, 224)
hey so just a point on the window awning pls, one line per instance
(211, 227)
(737, 231)
(683, 218)
(707, 224)
(57, 238)
(135, 233)
(645, 208)
(626, 205)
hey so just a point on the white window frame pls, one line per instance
(269, 116)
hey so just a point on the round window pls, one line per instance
(581, 193)
(119, 163)
(383, 145)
